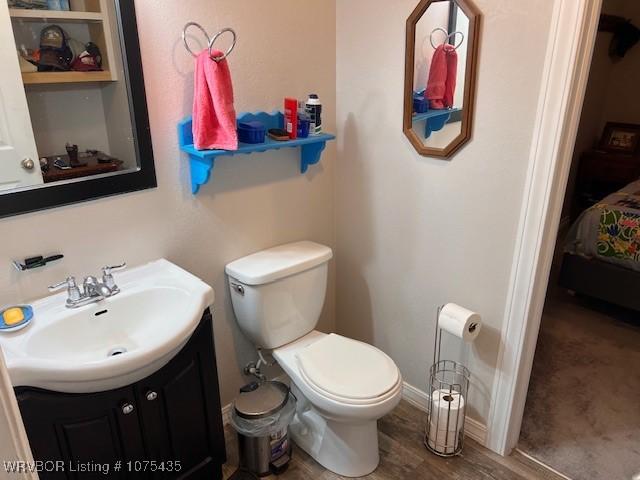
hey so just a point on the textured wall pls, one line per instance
(253, 202)
(416, 232)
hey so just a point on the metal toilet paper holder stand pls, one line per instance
(449, 388)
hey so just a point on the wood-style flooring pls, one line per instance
(403, 456)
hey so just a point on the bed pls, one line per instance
(602, 252)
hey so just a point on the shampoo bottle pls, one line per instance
(314, 112)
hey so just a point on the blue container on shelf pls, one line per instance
(420, 104)
(303, 127)
(251, 132)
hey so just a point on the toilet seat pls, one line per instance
(348, 371)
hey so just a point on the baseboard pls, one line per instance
(419, 399)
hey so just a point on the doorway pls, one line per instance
(581, 415)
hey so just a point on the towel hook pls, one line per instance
(229, 50)
(439, 29)
(452, 36)
(449, 36)
(210, 41)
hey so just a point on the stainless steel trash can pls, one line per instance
(261, 416)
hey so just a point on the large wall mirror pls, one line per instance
(440, 73)
(73, 114)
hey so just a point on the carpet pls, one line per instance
(582, 415)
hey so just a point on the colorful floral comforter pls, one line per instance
(610, 230)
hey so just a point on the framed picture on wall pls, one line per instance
(620, 137)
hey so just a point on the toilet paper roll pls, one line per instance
(447, 411)
(446, 420)
(443, 443)
(460, 322)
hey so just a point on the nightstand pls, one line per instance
(600, 174)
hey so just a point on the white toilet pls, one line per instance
(343, 386)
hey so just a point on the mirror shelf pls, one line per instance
(50, 78)
(203, 161)
(98, 24)
(435, 120)
(66, 16)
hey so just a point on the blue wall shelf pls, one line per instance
(203, 161)
(435, 120)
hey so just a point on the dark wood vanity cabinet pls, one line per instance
(172, 418)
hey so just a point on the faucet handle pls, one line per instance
(108, 270)
(70, 282)
(107, 277)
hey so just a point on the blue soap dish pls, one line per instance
(27, 311)
(251, 132)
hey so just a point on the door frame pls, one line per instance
(15, 439)
(566, 73)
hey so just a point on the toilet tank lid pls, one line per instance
(278, 262)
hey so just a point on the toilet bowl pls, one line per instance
(343, 386)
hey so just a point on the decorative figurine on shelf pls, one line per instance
(72, 151)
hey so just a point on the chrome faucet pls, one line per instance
(93, 290)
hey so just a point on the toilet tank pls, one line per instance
(278, 294)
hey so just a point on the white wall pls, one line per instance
(253, 201)
(415, 232)
(67, 113)
(115, 100)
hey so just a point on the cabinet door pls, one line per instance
(180, 410)
(83, 429)
(16, 134)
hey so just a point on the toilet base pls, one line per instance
(348, 449)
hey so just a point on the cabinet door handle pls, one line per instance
(151, 395)
(127, 408)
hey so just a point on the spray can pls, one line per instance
(314, 112)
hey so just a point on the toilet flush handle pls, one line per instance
(238, 288)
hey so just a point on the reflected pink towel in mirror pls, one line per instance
(214, 116)
(441, 85)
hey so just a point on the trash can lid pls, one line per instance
(264, 400)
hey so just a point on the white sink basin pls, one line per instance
(145, 325)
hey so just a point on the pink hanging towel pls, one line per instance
(214, 116)
(441, 85)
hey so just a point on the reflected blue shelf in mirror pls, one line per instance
(435, 119)
(203, 161)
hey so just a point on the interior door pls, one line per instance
(19, 165)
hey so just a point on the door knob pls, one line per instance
(127, 408)
(28, 164)
(151, 395)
